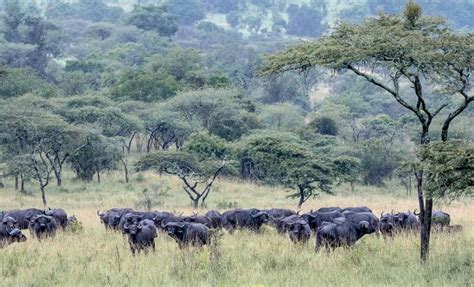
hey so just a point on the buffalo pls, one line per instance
(440, 219)
(251, 219)
(333, 235)
(199, 219)
(387, 224)
(215, 217)
(357, 217)
(356, 209)
(23, 216)
(42, 226)
(141, 235)
(133, 217)
(8, 237)
(282, 224)
(277, 213)
(9, 223)
(299, 231)
(111, 218)
(60, 215)
(329, 209)
(188, 234)
(316, 219)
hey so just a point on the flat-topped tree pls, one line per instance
(392, 50)
(196, 175)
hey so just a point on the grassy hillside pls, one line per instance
(94, 257)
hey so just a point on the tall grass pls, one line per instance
(97, 258)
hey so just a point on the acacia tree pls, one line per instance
(32, 134)
(282, 158)
(197, 176)
(392, 50)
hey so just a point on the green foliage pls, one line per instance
(144, 86)
(98, 155)
(153, 18)
(169, 162)
(324, 126)
(92, 10)
(281, 158)
(282, 117)
(304, 21)
(376, 163)
(222, 112)
(207, 146)
(450, 169)
(186, 11)
(18, 82)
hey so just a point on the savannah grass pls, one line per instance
(95, 257)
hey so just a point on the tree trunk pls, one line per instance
(124, 163)
(425, 207)
(58, 175)
(302, 199)
(43, 195)
(98, 176)
(16, 182)
(352, 187)
(426, 230)
(196, 202)
(22, 184)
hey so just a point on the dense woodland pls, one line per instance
(176, 86)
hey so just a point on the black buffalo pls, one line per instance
(188, 234)
(141, 235)
(8, 237)
(329, 209)
(251, 219)
(316, 219)
(133, 217)
(9, 223)
(216, 218)
(356, 209)
(60, 215)
(407, 221)
(333, 235)
(23, 216)
(440, 219)
(111, 218)
(357, 217)
(282, 224)
(299, 231)
(199, 219)
(278, 213)
(387, 224)
(42, 226)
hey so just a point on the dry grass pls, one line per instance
(97, 258)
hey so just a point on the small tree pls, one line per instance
(98, 155)
(283, 159)
(197, 176)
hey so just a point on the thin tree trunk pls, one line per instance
(22, 184)
(124, 163)
(98, 176)
(426, 230)
(16, 182)
(58, 175)
(43, 195)
(196, 202)
(302, 199)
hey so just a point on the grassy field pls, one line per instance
(97, 258)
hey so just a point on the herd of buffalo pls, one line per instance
(333, 226)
